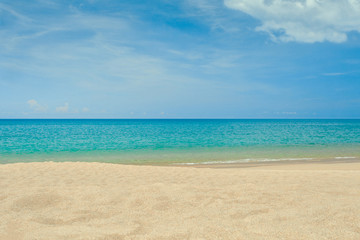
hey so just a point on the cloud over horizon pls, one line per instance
(34, 105)
(305, 21)
(63, 109)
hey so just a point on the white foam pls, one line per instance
(244, 161)
(344, 157)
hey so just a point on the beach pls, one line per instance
(74, 200)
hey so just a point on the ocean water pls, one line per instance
(177, 141)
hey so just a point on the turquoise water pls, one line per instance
(177, 141)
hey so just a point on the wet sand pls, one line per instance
(304, 200)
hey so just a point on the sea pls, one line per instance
(177, 141)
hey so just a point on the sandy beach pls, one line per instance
(109, 201)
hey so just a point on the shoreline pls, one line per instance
(217, 164)
(282, 163)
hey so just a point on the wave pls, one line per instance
(247, 160)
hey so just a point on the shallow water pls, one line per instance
(177, 141)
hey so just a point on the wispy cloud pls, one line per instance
(34, 105)
(63, 109)
(303, 20)
(212, 13)
(105, 60)
(335, 74)
(16, 14)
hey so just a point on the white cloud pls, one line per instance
(334, 74)
(285, 113)
(289, 113)
(36, 106)
(63, 109)
(306, 21)
(85, 109)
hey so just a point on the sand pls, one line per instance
(108, 201)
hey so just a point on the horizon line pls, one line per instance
(356, 118)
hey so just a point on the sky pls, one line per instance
(180, 59)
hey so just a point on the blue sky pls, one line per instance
(180, 59)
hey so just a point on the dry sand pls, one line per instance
(108, 201)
